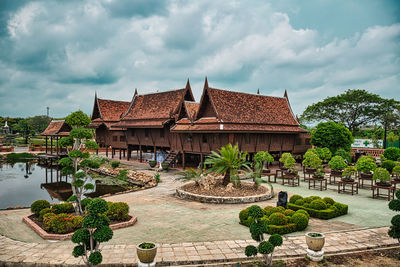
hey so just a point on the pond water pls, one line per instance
(22, 183)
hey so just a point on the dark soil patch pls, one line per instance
(245, 190)
(40, 223)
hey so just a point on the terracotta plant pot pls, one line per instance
(345, 179)
(315, 243)
(337, 172)
(146, 255)
(165, 166)
(366, 175)
(386, 183)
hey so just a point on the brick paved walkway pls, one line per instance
(17, 253)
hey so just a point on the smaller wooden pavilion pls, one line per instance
(53, 133)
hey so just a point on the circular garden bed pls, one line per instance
(220, 194)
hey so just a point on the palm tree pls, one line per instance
(228, 162)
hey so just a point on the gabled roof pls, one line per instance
(59, 128)
(160, 108)
(108, 110)
(191, 109)
(222, 110)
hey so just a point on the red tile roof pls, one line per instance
(56, 128)
(191, 109)
(156, 123)
(215, 127)
(236, 107)
(112, 110)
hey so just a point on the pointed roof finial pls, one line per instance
(297, 119)
(206, 83)
(285, 95)
(187, 84)
(258, 91)
(95, 94)
(136, 93)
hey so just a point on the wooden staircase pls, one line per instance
(171, 157)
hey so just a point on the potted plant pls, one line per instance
(323, 153)
(146, 252)
(311, 161)
(388, 165)
(315, 241)
(260, 158)
(165, 166)
(290, 166)
(382, 177)
(152, 163)
(396, 173)
(283, 159)
(347, 174)
(337, 164)
(366, 165)
(319, 173)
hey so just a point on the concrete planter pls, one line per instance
(152, 163)
(146, 255)
(315, 243)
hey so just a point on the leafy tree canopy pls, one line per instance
(354, 108)
(78, 119)
(332, 135)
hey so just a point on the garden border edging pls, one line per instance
(182, 194)
(60, 237)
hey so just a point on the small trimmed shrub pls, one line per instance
(337, 163)
(325, 208)
(392, 153)
(115, 164)
(289, 212)
(47, 218)
(344, 154)
(278, 218)
(65, 223)
(394, 230)
(388, 165)
(318, 204)
(43, 212)
(117, 211)
(366, 164)
(381, 175)
(63, 208)
(299, 202)
(294, 198)
(303, 212)
(396, 171)
(300, 220)
(38, 205)
(328, 200)
(85, 202)
(243, 215)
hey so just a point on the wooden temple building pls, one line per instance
(53, 133)
(172, 122)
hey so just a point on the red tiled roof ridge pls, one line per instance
(168, 91)
(246, 93)
(119, 101)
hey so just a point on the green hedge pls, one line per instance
(337, 209)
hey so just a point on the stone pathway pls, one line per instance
(17, 253)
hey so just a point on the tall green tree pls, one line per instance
(78, 162)
(25, 129)
(39, 123)
(354, 109)
(332, 135)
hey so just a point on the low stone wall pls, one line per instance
(181, 193)
(375, 152)
(43, 234)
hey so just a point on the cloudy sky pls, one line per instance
(58, 53)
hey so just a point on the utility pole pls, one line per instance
(47, 111)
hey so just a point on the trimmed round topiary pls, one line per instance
(388, 165)
(303, 212)
(278, 218)
(117, 211)
(300, 220)
(95, 258)
(396, 221)
(289, 212)
(39, 205)
(299, 202)
(392, 153)
(85, 202)
(394, 204)
(63, 208)
(328, 200)
(256, 211)
(43, 212)
(318, 204)
(308, 199)
(78, 251)
(243, 215)
(398, 194)
(276, 240)
(103, 234)
(267, 210)
(81, 236)
(265, 247)
(315, 197)
(97, 206)
(257, 229)
(250, 251)
(294, 198)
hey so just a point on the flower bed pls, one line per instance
(278, 220)
(58, 222)
(321, 208)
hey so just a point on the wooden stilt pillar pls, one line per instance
(155, 153)
(128, 154)
(107, 151)
(140, 153)
(183, 160)
(119, 153)
(112, 152)
(124, 152)
(201, 160)
(51, 145)
(46, 144)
